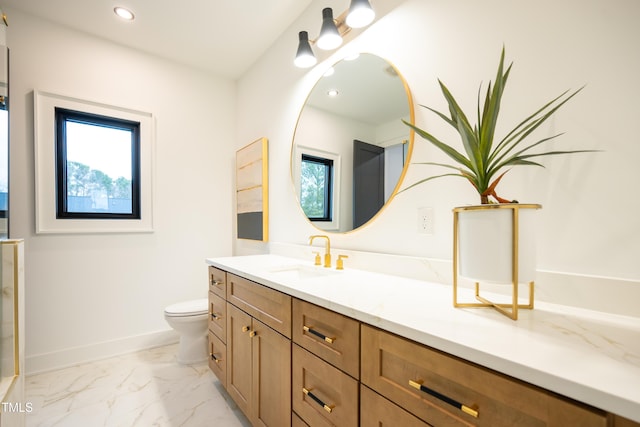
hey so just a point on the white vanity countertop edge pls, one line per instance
(589, 356)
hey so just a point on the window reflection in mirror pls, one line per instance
(353, 117)
(316, 175)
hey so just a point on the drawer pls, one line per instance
(218, 358)
(322, 395)
(329, 335)
(619, 421)
(218, 316)
(218, 282)
(269, 306)
(390, 362)
(296, 421)
(376, 411)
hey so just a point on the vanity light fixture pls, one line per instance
(124, 13)
(360, 14)
(329, 37)
(305, 57)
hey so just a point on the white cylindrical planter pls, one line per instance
(493, 240)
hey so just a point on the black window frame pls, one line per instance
(62, 116)
(328, 188)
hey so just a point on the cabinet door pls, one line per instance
(239, 357)
(271, 354)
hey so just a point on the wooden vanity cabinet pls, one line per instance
(217, 335)
(218, 316)
(296, 421)
(218, 358)
(258, 356)
(618, 421)
(390, 363)
(322, 394)
(329, 335)
(287, 362)
(218, 281)
(326, 366)
(380, 412)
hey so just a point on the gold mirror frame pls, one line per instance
(297, 142)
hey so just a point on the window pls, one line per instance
(97, 166)
(100, 182)
(316, 174)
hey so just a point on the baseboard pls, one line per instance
(74, 356)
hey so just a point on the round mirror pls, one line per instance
(350, 148)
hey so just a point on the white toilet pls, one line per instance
(189, 319)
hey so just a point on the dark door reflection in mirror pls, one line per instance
(360, 104)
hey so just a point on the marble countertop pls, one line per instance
(590, 356)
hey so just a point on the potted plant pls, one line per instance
(484, 161)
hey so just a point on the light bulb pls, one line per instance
(304, 57)
(124, 13)
(329, 36)
(360, 14)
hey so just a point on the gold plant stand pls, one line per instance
(508, 309)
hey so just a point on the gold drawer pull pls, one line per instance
(252, 334)
(216, 316)
(216, 282)
(214, 358)
(318, 334)
(318, 401)
(245, 328)
(467, 410)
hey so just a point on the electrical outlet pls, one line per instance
(425, 220)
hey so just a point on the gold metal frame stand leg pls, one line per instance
(508, 309)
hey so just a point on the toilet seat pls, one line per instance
(196, 307)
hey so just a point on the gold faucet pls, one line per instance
(327, 253)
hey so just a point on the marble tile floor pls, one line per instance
(147, 389)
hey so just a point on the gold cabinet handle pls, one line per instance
(215, 358)
(316, 399)
(466, 409)
(216, 282)
(245, 328)
(216, 316)
(318, 334)
(252, 334)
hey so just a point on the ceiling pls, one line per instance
(369, 90)
(222, 36)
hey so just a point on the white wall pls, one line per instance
(90, 296)
(590, 222)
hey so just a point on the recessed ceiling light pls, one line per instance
(332, 93)
(124, 13)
